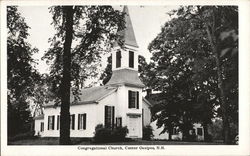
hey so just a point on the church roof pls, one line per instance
(154, 99)
(126, 77)
(90, 95)
(95, 94)
(147, 101)
(40, 116)
(128, 32)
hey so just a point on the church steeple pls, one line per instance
(126, 57)
(125, 60)
(128, 32)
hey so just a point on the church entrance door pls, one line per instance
(133, 127)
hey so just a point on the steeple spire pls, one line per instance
(128, 32)
(125, 60)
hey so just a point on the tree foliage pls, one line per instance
(146, 71)
(42, 95)
(106, 75)
(194, 73)
(94, 28)
(21, 74)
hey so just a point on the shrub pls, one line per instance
(103, 134)
(22, 136)
(119, 133)
(216, 129)
(147, 132)
(99, 126)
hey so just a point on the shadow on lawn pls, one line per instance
(88, 141)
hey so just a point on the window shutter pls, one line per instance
(58, 122)
(84, 120)
(48, 122)
(73, 121)
(129, 98)
(113, 116)
(131, 59)
(120, 121)
(53, 122)
(106, 116)
(79, 121)
(137, 98)
(116, 122)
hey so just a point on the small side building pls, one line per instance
(177, 134)
(39, 125)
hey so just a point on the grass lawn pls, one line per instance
(55, 141)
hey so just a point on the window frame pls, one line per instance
(175, 131)
(58, 122)
(199, 130)
(41, 126)
(82, 121)
(131, 59)
(133, 99)
(109, 116)
(118, 59)
(118, 121)
(51, 122)
(72, 122)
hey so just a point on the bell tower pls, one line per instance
(125, 60)
(128, 104)
(126, 57)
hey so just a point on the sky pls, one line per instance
(147, 22)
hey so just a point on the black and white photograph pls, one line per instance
(122, 77)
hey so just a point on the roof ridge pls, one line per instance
(90, 95)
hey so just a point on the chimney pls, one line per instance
(149, 92)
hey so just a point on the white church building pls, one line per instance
(118, 103)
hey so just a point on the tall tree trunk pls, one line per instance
(223, 105)
(65, 85)
(170, 133)
(214, 44)
(206, 137)
(185, 135)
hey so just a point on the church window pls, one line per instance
(175, 130)
(119, 122)
(199, 131)
(109, 116)
(133, 99)
(131, 59)
(118, 59)
(42, 127)
(82, 121)
(72, 121)
(58, 122)
(51, 121)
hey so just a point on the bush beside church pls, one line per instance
(103, 134)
